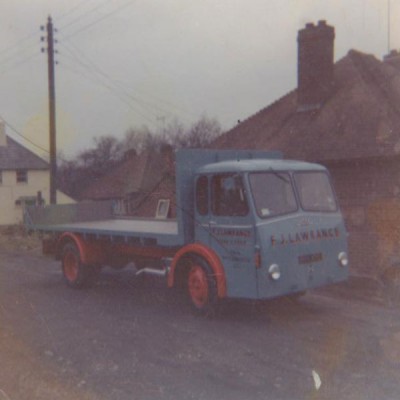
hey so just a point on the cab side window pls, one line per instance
(202, 195)
(228, 195)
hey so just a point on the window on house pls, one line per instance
(22, 176)
(25, 201)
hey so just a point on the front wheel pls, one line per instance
(76, 274)
(202, 288)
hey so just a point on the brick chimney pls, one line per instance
(393, 58)
(315, 78)
(3, 139)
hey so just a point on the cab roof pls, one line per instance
(257, 165)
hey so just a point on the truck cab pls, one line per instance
(274, 224)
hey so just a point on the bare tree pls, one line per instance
(139, 139)
(200, 134)
(74, 175)
(108, 151)
(203, 132)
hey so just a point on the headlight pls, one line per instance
(343, 259)
(274, 272)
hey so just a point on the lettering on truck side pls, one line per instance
(305, 236)
(232, 237)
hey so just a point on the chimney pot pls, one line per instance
(393, 59)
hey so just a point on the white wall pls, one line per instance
(11, 191)
(62, 198)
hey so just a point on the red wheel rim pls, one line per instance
(71, 266)
(198, 286)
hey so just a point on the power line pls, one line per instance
(16, 47)
(20, 62)
(90, 11)
(17, 50)
(18, 133)
(17, 44)
(123, 6)
(17, 53)
(80, 57)
(105, 80)
(72, 10)
(93, 67)
(95, 79)
(22, 136)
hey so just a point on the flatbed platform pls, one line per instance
(78, 219)
(123, 226)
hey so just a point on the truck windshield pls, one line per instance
(273, 193)
(315, 191)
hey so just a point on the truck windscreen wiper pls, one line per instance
(279, 175)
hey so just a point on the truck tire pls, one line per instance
(201, 287)
(76, 274)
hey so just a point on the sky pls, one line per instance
(125, 64)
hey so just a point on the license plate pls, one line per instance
(310, 258)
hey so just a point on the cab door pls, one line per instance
(202, 210)
(231, 233)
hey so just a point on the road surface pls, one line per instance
(126, 339)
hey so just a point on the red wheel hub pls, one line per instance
(71, 266)
(198, 286)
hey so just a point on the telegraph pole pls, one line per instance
(52, 111)
(388, 25)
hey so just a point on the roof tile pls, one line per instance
(360, 119)
(15, 156)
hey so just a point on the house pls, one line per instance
(346, 116)
(138, 184)
(24, 180)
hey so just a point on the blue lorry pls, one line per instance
(249, 225)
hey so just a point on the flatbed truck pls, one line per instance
(249, 225)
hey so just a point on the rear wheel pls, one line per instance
(76, 274)
(201, 287)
